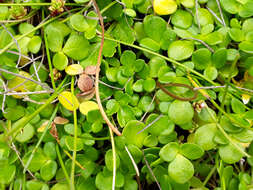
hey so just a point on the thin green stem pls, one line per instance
(227, 85)
(41, 138)
(96, 138)
(226, 135)
(108, 6)
(62, 165)
(34, 29)
(37, 4)
(113, 159)
(49, 57)
(22, 122)
(209, 176)
(72, 175)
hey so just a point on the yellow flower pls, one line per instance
(165, 7)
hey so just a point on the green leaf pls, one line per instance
(26, 27)
(109, 160)
(246, 47)
(245, 136)
(181, 112)
(204, 17)
(149, 44)
(231, 6)
(154, 26)
(150, 141)
(169, 152)
(237, 106)
(7, 172)
(146, 104)
(204, 136)
(149, 85)
(55, 39)
(236, 34)
(230, 154)
(201, 58)
(48, 170)
(123, 32)
(180, 50)
(125, 115)
(155, 64)
(79, 23)
(181, 169)
(37, 161)
(181, 19)
(60, 61)
(69, 141)
(163, 126)
(26, 134)
(211, 72)
(191, 151)
(130, 133)
(219, 57)
(49, 150)
(76, 47)
(34, 44)
(18, 110)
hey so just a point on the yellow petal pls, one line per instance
(165, 7)
(74, 69)
(69, 102)
(87, 106)
(246, 98)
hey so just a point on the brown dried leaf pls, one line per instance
(85, 83)
(90, 70)
(86, 95)
(60, 120)
(54, 132)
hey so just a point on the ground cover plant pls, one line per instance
(124, 94)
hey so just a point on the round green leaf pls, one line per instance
(48, 170)
(26, 134)
(230, 154)
(219, 57)
(150, 44)
(130, 133)
(169, 151)
(236, 34)
(204, 17)
(149, 85)
(34, 44)
(201, 58)
(76, 47)
(79, 23)
(246, 47)
(155, 64)
(211, 73)
(231, 6)
(181, 19)
(18, 110)
(180, 50)
(60, 61)
(49, 150)
(204, 136)
(181, 112)
(181, 169)
(191, 151)
(154, 26)
(69, 141)
(109, 160)
(163, 126)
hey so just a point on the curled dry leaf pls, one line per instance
(84, 96)
(90, 70)
(85, 83)
(60, 120)
(43, 127)
(54, 132)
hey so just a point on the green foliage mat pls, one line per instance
(166, 104)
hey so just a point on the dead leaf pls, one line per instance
(60, 120)
(90, 70)
(85, 83)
